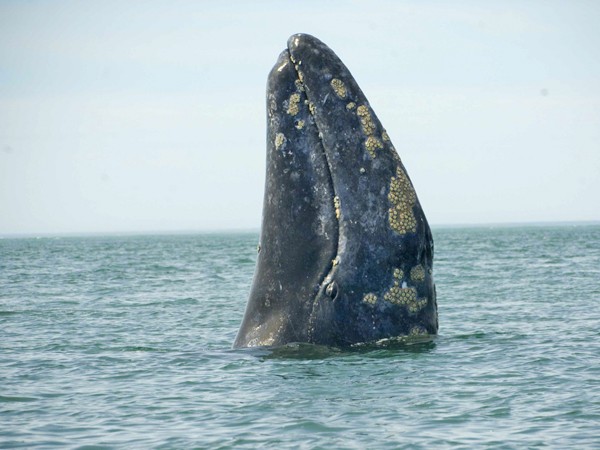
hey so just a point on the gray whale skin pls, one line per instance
(346, 253)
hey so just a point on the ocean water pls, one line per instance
(125, 342)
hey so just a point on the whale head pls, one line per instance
(345, 253)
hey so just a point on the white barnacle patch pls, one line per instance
(417, 273)
(401, 294)
(280, 140)
(418, 330)
(300, 74)
(337, 204)
(339, 88)
(402, 197)
(366, 120)
(372, 144)
(292, 108)
(370, 298)
(405, 297)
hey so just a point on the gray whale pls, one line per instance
(346, 253)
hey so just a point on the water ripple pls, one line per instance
(125, 342)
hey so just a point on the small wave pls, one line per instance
(11, 399)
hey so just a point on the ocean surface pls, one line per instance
(125, 342)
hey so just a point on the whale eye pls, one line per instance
(332, 290)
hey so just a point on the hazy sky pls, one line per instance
(150, 116)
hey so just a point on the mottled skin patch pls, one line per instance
(350, 106)
(299, 125)
(402, 197)
(339, 88)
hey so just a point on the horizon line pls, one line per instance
(25, 235)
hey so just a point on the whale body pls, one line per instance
(345, 253)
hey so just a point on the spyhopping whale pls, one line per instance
(346, 253)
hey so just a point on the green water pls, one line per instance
(125, 342)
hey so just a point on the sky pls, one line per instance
(150, 116)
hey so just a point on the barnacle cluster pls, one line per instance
(417, 330)
(293, 102)
(338, 87)
(417, 273)
(279, 140)
(404, 296)
(371, 299)
(366, 121)
(402, 196)
(372, 143)
(337, 204)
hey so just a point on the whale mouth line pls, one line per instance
(326, 281)
(312, 115)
